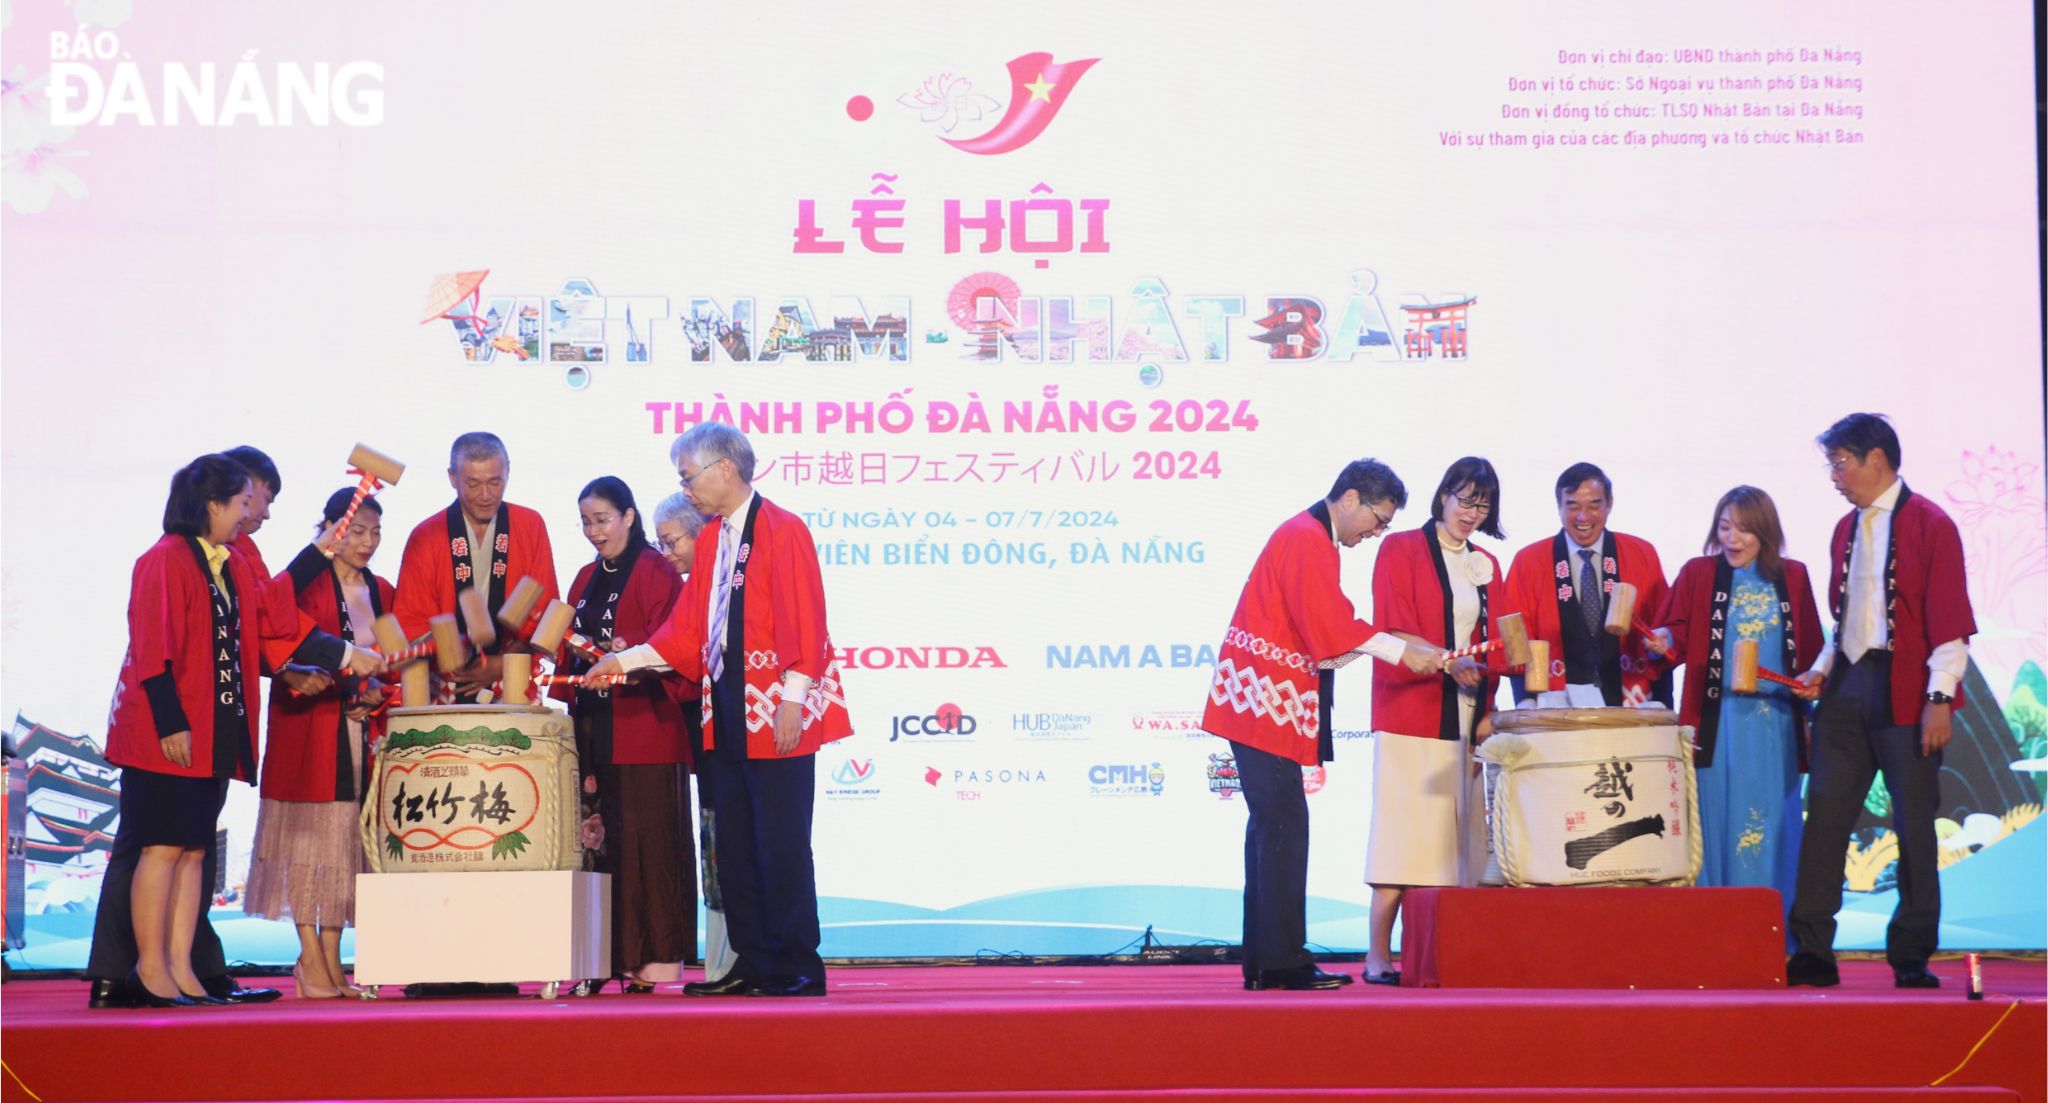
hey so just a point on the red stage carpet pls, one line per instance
(1023, 1034)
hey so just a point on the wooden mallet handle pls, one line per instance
(1475, 649)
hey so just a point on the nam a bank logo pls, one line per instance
(854, 779)
(95, 80)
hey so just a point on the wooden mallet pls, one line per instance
(1537, 680)
(1621, 612)
(451, 651)
(1513, 638)
(517, 614)
(476, 618)
(375, 469)
(412, 671)
(1748, 671)
(553, 631)
(516, 680)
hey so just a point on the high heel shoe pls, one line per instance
(307, 991)
(137, 994)
(634, 986)
(356, 991)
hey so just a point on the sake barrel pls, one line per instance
(1591, 797)
(483, 788)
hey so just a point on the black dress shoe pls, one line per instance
(107, 993)
(1811, 969)
(1303, 979)
(228, 990)
(789, 986)
(1914, 976)
(732, 985)
(134, 993)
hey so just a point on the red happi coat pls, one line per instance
(280, 606)
(1688, 612)
(300, 752)
(647, 721)
(170, 620)
(1533, 591)
(426, 575)
(1409, 596)
(783, 629)
(1291, 615)
(1932, 597)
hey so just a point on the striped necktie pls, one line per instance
(1863, 627)
(714, 639)
(1589, 594)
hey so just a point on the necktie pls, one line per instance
(1589, 593)
(714, 639)
(1866, 599)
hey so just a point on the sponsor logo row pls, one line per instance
(856, 777)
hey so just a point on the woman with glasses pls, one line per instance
(1436, 585)
(1751, 747)
(632, 747)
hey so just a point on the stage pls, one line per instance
(1019, 1033)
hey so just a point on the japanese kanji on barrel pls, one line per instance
(1591, 797)
(483, 788)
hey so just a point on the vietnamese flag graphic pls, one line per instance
(1038, 86)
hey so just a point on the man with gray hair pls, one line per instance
(481, 540)
(750, 625)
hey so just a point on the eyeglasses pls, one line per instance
(1384, 524)
(1475, 502)
(1837, 465)
(686, 480)
(668, 544)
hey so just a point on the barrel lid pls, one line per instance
(1554, 720)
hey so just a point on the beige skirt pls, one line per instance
(306, 858)
(1428, 814)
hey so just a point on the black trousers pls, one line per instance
(761, 810)
(1854, 740)
(113, 931)
(1275, 861)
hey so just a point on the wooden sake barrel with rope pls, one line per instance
(1591, 797)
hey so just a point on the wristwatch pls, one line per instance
(1936, 697)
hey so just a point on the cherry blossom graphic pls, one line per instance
(948, 101)
(32, 152)
(1998, 506)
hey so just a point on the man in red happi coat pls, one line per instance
(1889, 685)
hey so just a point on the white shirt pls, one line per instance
(1863, 620)
(645, 657)
(1465, 617)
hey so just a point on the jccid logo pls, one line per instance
(285, 93)
(946, 721)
